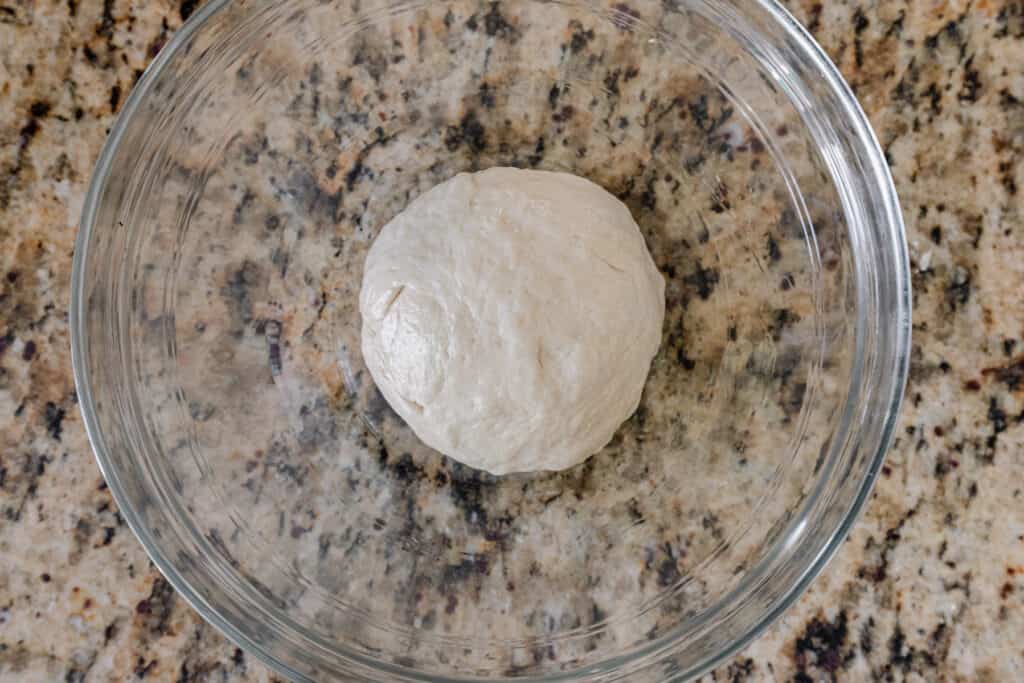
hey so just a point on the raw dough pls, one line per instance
(510, 317)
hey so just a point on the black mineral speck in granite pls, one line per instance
(581, 37)
(553, 95)
(563, 114)
(487, 99)
(958, 290)
(237, 293)
(667, 567)
(187, 7)
(272, 331)
(154, 610)
(703, 280)
(675, 344)
(243, 203)
(54, 416)
(720, 199)
(823, 647)
(115, 97)
(6, 340)
(470, 132)
(495, 24)
(39, 109)
(783, 318)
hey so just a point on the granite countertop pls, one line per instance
(927, 586)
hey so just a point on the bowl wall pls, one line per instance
(217, 354)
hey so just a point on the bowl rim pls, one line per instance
(880, 176)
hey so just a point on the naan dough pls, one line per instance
(510, 318)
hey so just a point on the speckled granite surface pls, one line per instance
(928, 586)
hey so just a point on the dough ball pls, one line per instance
(510, 317)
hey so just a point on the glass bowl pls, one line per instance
(215, 332)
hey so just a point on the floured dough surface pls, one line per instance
(510, 318)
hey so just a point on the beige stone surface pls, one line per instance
(928, 586)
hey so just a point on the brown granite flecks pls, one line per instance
(928, 586)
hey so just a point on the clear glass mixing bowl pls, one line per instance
(216, 332)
